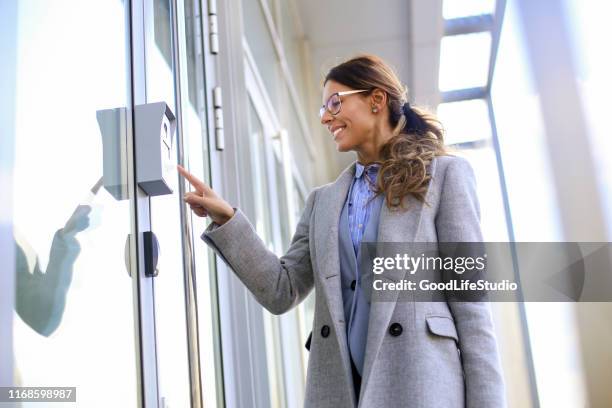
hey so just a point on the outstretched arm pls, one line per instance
(278, 284)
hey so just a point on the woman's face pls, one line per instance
(354, 124)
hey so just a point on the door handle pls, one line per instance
(151, 254)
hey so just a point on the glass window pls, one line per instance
(522, 140)
(591, 29)
(465, 8)
(465, 121)
(292, 45)
(464, 61)
(535, 212)
(258, 37)
(264, 224)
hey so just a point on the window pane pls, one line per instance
(258, 37)
(464, 8)
(292, 45)
(465, 121)
(589, 21)
(535, 212)
(263, 224)
(270, 390)
(464, 61)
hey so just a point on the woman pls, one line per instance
(404, 187)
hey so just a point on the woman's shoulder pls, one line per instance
(451, 159)
(451, 164)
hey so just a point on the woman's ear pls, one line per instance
(378, 99)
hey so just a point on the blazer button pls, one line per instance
(395, 329)
(353, 283)
(325, 331)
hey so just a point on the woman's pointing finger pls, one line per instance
(193, 180)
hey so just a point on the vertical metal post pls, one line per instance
(177, 19)
(144, 312)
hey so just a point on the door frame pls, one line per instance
(144, 313)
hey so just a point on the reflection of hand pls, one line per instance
(204, 201)
(41, 297)
(78, 221)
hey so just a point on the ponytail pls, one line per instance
(415, 123)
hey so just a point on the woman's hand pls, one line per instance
(204, 201)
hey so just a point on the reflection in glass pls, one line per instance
(113, 127)
(41, 296)
(74, 296)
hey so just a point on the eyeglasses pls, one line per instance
(334, 102)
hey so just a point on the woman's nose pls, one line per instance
(326, 118)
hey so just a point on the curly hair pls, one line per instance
(417, 138)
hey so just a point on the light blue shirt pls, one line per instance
(358, 222)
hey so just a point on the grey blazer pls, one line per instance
(446, 353)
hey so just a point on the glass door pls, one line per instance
(86, 316)
(74, 323)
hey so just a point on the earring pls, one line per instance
(374, 109)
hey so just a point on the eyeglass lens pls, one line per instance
(333, 105)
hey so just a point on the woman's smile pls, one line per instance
(337, 132)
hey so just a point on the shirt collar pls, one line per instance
(370, 169)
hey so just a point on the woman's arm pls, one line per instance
(458, 220)
(278, 284)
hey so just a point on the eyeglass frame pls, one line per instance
(324, 109)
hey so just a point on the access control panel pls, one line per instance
(155, 153)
